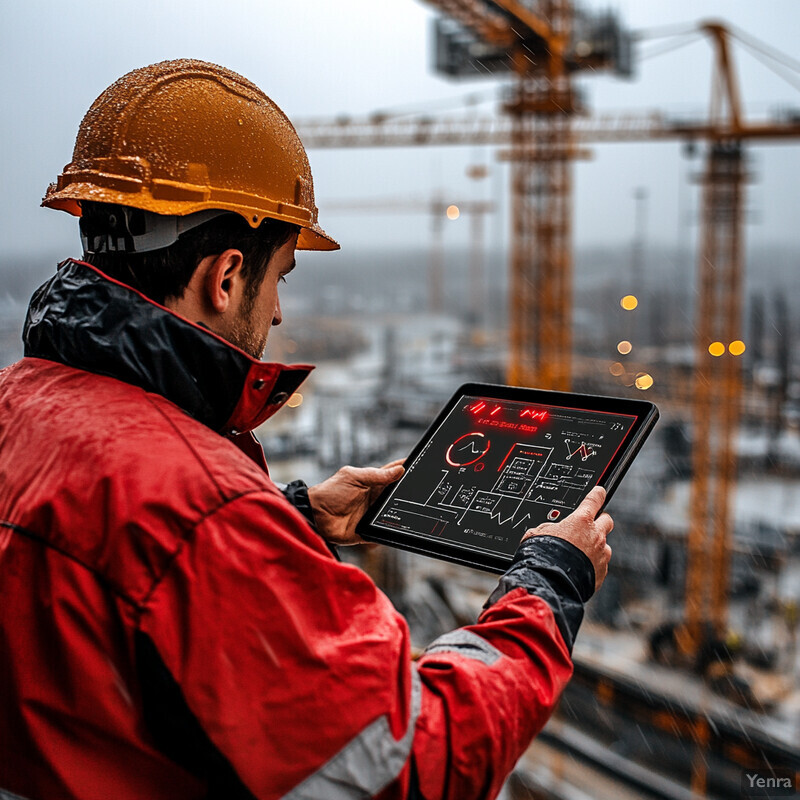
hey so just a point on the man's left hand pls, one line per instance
(340, 501)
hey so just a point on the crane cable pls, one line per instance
(766, 54)
(685, 39)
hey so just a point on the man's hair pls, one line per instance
(165, 273)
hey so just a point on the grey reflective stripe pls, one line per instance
(368, 763)
(5, 795)
(467, 644)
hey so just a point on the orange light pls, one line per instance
(716, 349)
(295, 400)
(453, 212)
(624, 347)
(629, 302)
(616, 369)
(737, 348)
(644, 381)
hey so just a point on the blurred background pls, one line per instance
(596, 197)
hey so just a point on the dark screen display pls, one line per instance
(495, 468)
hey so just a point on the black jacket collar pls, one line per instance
(84, 319)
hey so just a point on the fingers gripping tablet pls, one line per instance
(501, 460)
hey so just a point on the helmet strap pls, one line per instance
(122, 229)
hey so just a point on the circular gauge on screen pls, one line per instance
(467, 449)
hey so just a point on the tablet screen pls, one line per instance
(495, 468)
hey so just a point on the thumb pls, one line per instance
(383, 476)
(373, 476)
(392, 472)
(592, 503)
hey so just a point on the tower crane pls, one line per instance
(438, 210)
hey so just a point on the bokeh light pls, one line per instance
(624, 347)
(616, 369)
(736, 348)
(716, 349)
(629, 302)
(295, 400)
(453, 212)
(643, 381)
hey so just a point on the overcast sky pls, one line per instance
(323, 58)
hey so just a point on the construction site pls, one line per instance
(687, 667)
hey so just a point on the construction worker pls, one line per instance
(172, 624)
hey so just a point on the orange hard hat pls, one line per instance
(184, 136)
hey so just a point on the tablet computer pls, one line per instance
(499, 460)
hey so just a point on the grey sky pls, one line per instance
(321, 58)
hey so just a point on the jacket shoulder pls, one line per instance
(109, 474)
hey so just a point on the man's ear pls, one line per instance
(223, 279)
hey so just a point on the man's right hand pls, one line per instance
(584, 531)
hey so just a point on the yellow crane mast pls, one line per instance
(718, 343)
(541, 110)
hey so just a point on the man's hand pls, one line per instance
(584, 531)
(340, 502)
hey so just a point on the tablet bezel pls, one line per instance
(646, 415)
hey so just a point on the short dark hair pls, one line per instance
(165, 273)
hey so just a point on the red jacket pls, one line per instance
(171, 627)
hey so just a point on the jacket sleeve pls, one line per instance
(298, 668)
(492, 686)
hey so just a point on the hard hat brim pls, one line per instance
(67, 198)
(316, 239)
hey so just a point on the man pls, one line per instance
(172, 625)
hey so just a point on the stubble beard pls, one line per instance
(244, 334)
